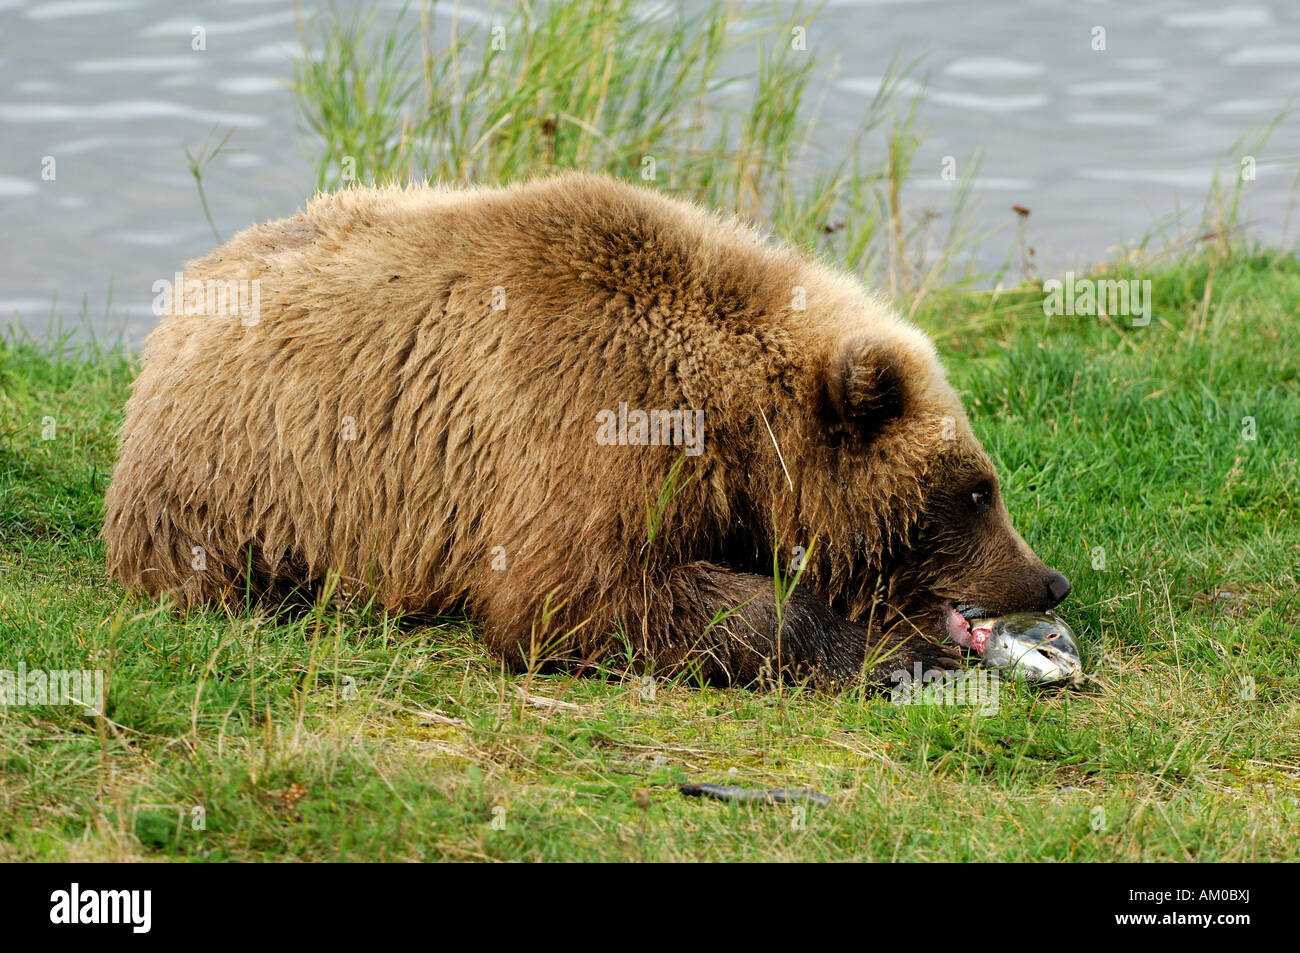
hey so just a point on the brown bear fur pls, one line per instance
(416, 410)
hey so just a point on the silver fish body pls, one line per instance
(1035, 646)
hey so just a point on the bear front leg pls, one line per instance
(727, 623)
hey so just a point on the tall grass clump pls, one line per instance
(718, 106)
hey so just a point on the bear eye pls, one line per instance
(982, 495)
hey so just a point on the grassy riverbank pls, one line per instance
(348, 734)
(1155, 465)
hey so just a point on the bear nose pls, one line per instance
(1058, 586)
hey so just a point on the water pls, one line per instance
(112, 90)
(1099, 145)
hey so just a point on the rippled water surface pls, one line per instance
(1100, 145)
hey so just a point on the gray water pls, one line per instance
(1100, 145)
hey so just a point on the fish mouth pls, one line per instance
(1037, 662)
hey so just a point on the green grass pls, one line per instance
(345, 733)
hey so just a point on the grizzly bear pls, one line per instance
(615, 428)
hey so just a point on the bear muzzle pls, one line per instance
(1058, 587)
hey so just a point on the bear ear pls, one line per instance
(865, 384)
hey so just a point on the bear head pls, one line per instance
(919, 516)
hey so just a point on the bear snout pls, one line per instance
(1031, 588)
(1058, 587)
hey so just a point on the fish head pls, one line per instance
(1035, 646)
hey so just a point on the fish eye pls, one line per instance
(1054, 636)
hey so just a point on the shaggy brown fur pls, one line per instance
(417, 410)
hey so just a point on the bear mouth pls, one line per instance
(958, 621)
